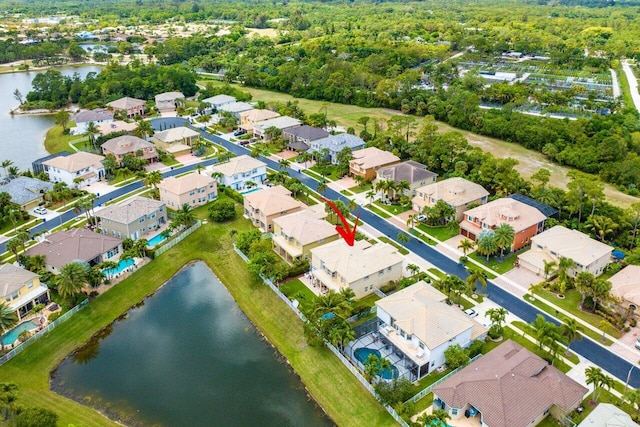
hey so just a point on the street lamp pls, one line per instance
(627, 383)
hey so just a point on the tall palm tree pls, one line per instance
(570, 329)
(152, 179)
(595, 376)
(438, 417)
(284, 164)
(504, 235)
(413, 269)
(185, 216)
(487, 245)
(14, 246)
(37, 263)
(466, 245)
(332, 302)
(5, 164)
(371, 195)
(601, 226)
(549, 267)
(92, 131)
(8, 319)
(305, 158)
(564, 265)
(476, 276)
(24, 237)
(71, 280)
(322, 187)
(143, 130)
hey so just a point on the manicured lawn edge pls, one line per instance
(326, 379)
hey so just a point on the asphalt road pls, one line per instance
(587, 348)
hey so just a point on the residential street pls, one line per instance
(633, 84)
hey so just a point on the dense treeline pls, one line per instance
(53, 90)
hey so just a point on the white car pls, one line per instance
(40, 210)
(471, 312)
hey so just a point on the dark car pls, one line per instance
(239, 132)
(244, 142)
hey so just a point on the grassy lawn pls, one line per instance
(55, 141)
(571, 303)
(330, 172)
(441, 233)
(400, 249)
(368, 301)
(295, 289)
(531, 332)
(394, 208)
(498, 265)
(378, 211)
(423, 403)
(422, 237)
(170, 161)
(361, 188)
(511, 334)
(437, 273)
(327, 380)
(624, 86)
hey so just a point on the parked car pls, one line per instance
(239, 132)
(244, 142)
(40, 210)
(421, 218)
(471, 312)
(638, 343)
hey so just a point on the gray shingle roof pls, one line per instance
(23, 189)
(335, 143)
(409, 171)
(94, 115)
(129, 211)
(307, 132)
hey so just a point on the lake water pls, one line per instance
(22, 137)
(187, 357)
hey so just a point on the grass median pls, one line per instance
(327, 380)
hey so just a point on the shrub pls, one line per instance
(233, 194)
(24, 335)
(222, 210)
(455, 356)
(54, 316)
(298, 268)
(390, 287)
(36, 417)
(397, 391)
(475, 348)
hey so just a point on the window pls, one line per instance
(366, 277)
(141, 220)
(30, 285)
(191, 193)
(389, 268)
(15, 295)
(454, 411)
(381, 272)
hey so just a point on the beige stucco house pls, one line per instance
(76, 170)
(560, 242)
(192, 189)
(131, 106)
(249, 118)
(458, 193)
(263, 207)
(134, 218)
(362, 267)
(169, 101)
(414, 173)
(21, 289)
(129, 144)
(625, 286)
(281, 123)
(367, 161)
(294, 235)
(176, 141)
(26, 192)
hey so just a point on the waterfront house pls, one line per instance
(456, 192)
(169, 101)
(97, 116)
(21, 289)
(78, 244)
(421, 326)
(129, 144)
(300, 138)
(281, 123)
(362, 267)
(249, 118)
(131, 106)
(508, 387)
(333, 144)
(262, 207)
(294, 235)
(192, 189)
(117, 126)
(368, 161)
(558, 242)
(525, 220)
(26, 192)
(176, 141)
(76, 170)
(240, 170)
(414, 173)
(134, 218)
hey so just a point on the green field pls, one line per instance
(327, 380)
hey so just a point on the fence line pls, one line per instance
(21, 347)
(422, 393)
(171, 243)
(346, 362)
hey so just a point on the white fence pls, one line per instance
(346, 362)
(20, 348)
(179, 238)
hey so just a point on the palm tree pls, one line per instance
(24, 237)
(92, 131)
(108, 266)
(504, 235)
(497, 316)
(283, 164)
(633, 396)
(13, 246)
(333, 302)
(143, 130)
(71, 280)
(601, 226)
(8, 319)
(371, 195)
(152, 179)
(224, 156)
(570, 329)
(564, 264)
(37, 263)
(438, 417)
(466, 245)
(13, 215)
(403, 238)
(401, 187)
(475, 276)
(185, 216)
(305, 158)
(414, 269)
(534, 288)
(595, 376)
(5, 164)
(487, 245)
(549, 267)
(322, 187)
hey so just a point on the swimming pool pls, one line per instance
(251, 190)
(156, 240)
(124, 263)
(11, 336)
(362, 353)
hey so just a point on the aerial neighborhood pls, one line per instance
(414, 229)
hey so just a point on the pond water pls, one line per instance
(22, 139)
(187, 356)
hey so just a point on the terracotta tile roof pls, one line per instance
(510, 386)
(240, 164)
(130, 210)
(12, 278)
(76, 161)
(506, 210)
(183, 184)
(126, 103)
(370, 157)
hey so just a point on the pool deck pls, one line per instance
(138, 262)
(370, 341)
(461, 422)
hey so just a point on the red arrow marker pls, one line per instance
(345, 231)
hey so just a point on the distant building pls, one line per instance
(300, 138)
(607, 415)
(76, 170)
(131, 106)
(97, 117)
(368, 161)
(21, 290)
(281, 123)
(176, 141)
(169, 101)
(128, 144)
(333, 144)
(218, 101)
(236, 108)
(192, 189)
(625, 286)
(117, 126)
(133, 218)
(250, 117)
(26, 192)
(455, 192)
(37, 167)
(414, 173)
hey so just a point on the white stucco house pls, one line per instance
(76, 170)
(240, 170)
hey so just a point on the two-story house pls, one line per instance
(26, 192)
(169, 101)
(421, 325)
(414, 173)
(300, 138)
(235, 109)
(117, 126)
(526, 220)
(192, 189)
(76, 170)
(368, 161)
(97, 116)
(176, 141)
(21, 289)
(131, 106)
(133, 218)
(78, 244)
(249, 118)
(281, 123)
(334, 144)
(362, 267)
(218, 101)
(129, 144)
(262, 207)
(294, 235)
(456, 192)
(240, 170)
(558, 242)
